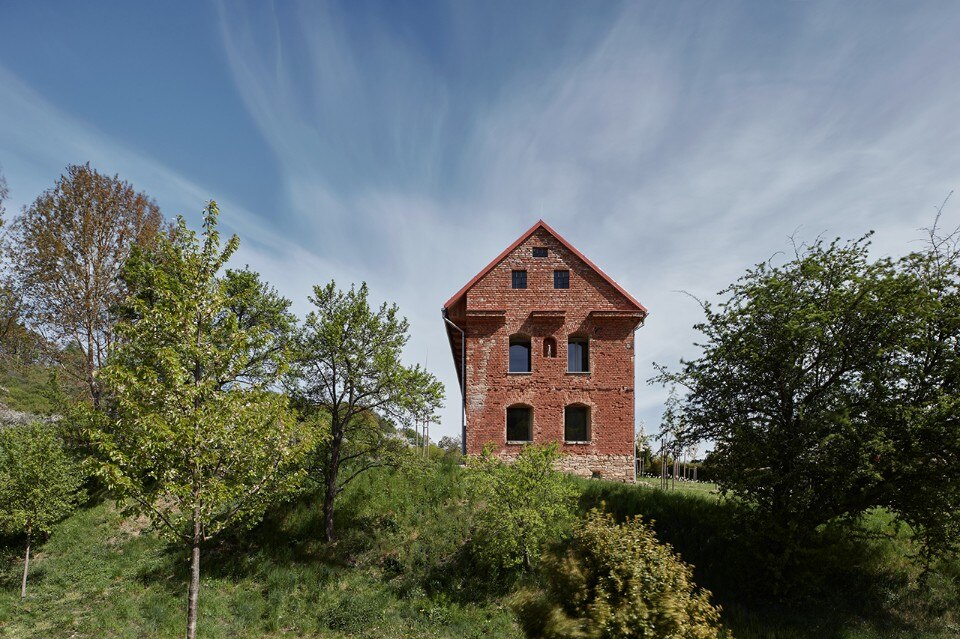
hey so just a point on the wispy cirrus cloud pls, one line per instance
(675, 144)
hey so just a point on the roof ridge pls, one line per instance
(538, 225)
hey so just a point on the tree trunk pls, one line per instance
(194, 579)
(26, 567)
(330, 494)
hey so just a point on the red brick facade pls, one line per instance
(489, 311)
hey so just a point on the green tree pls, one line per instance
(39, 483)
(783, 385)
(67, 249)
(831, 385)
(349, 367)
(919, 397)
(617, 582)
(197, 438)
(521, 506)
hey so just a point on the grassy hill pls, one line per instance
(397, 572)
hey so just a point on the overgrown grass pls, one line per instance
(402, 568)
(26, 388)
(102, 576)
(860, 584)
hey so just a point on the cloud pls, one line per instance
(673, 144)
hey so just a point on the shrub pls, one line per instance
(521, 506)
(616, 581)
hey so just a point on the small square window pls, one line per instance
(539, 251)
(561, 279)
(519, 279)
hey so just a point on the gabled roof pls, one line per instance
(542, 225)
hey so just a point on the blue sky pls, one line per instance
(407, 143)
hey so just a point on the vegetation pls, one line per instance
(39, 484)
(830, 386)
(194, 436)
(521, 507)
(615, 581)
(349, 367)
(67, 249)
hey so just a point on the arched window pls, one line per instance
(549, 347)
(519, 423)
(519, 354)
(576, 423)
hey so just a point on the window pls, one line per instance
(539, 251)
(549, 347)
(519, 354)
(519, 279)
(578, 355)
(519, 424)
(561, 279)
(576, 423)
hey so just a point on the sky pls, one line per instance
(406, 143)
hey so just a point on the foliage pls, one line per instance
(521, 506)
(349, 366)
(918, 397)
(197, 439)
(67, 249)
(830, 385)
(616, 581)
(39, 482)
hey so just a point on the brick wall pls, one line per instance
(608, 389)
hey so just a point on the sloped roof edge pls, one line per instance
(543, 225)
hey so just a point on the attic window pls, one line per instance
(519, 279)
(561, 279)
(539, 251)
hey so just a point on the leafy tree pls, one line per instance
(521, 506)
(617, 582)
(781, 384)
(349, 366)
(39, 483)
(919, 397)
(197, 438)
(67, 249)
(830, 385)
(450, 445)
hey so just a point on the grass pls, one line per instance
(102, 576)
(397, 571)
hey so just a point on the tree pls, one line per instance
(450, 445)
(39, 483)
(67, 249)
(521, 506)
(831, 385)
(785, 384)
(918, 403)
(617, 582)
(349, 366)
(196, 436)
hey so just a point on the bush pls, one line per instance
(520, 507)
(616, 581)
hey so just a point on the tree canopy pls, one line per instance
(196, 435)
(349, 367)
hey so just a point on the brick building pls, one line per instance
(547, 342)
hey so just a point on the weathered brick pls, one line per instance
(490, 311)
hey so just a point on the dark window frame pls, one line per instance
(520, 340)
(561, 279)
(586, 413)
(518, 279)
(540, 251)
(584, 354)
(516, 409)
